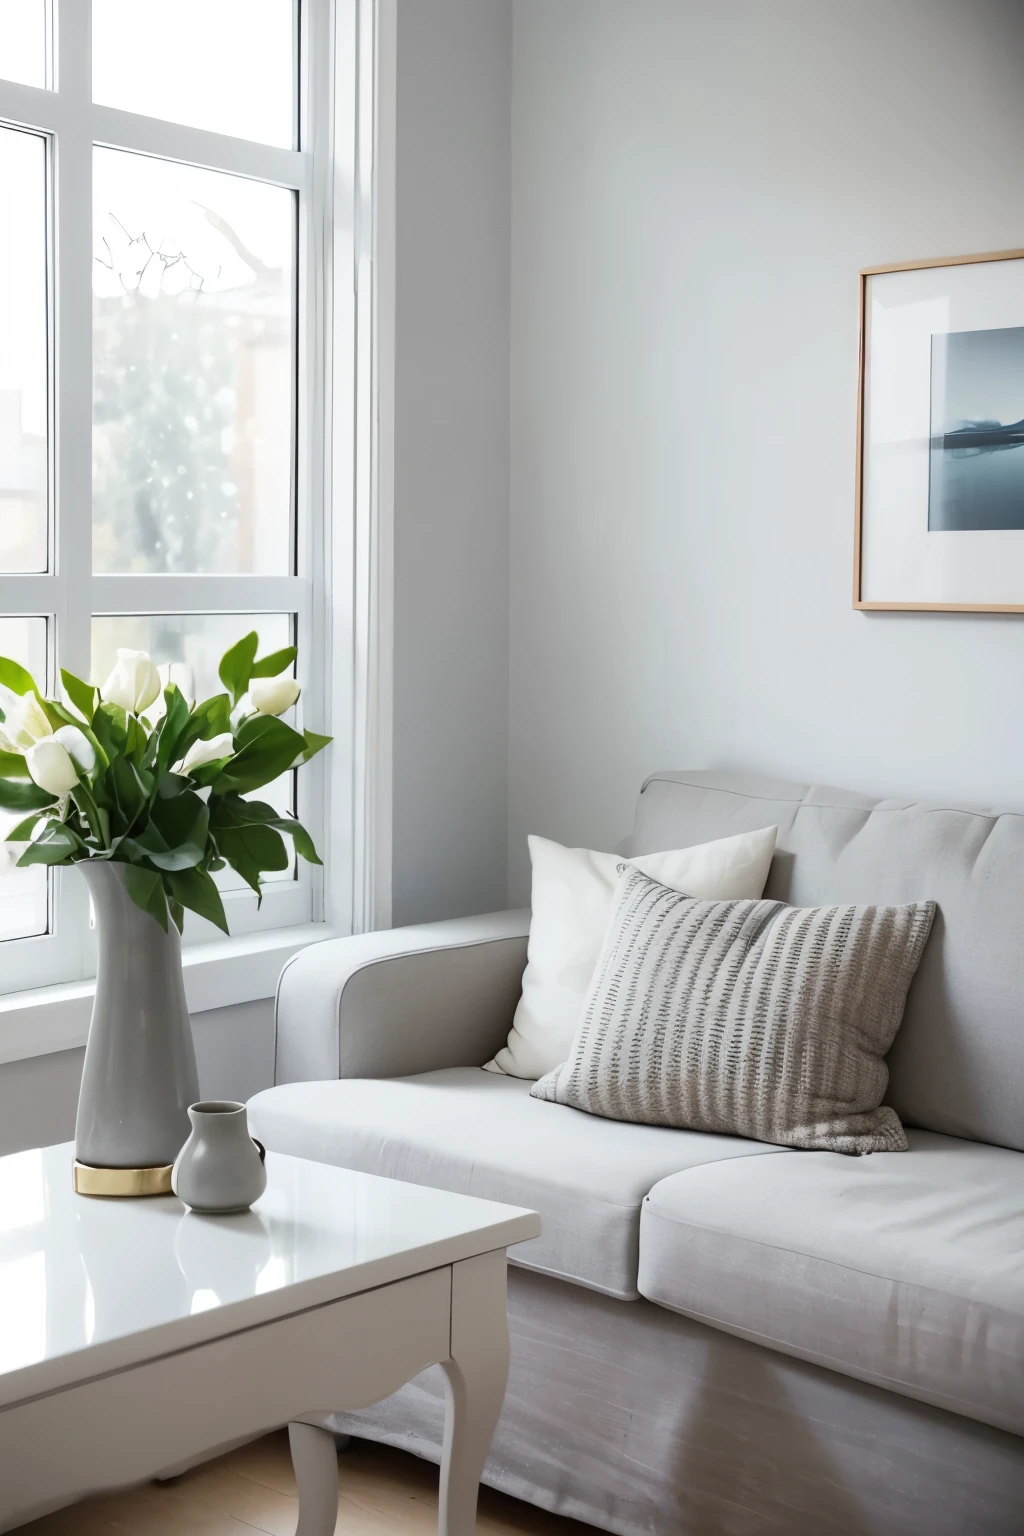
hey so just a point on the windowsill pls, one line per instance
(241, 970)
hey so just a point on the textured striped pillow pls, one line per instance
(751, 1018)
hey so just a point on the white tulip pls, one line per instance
(211, 751)
(134, 683)
(51, 767)
(25, 724)
(77, 745)
(273, 695)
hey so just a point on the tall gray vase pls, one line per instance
(140, 1065)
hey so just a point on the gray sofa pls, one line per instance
(713, 1335)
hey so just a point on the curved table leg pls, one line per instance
(475, 1378)
(315, 1459)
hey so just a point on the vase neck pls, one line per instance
(117, 915)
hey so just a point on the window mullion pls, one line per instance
(196, 146)
(72, 203)
(29, 106)
(157, 593)
(313, 404)
(29, 594)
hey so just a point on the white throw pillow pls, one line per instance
(573, 903)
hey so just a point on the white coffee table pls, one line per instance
(136, 1337)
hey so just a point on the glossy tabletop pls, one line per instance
(90, 1285)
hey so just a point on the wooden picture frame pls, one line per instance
(896, 605)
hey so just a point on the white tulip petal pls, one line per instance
(134, 682)
(77, 745)
(26, 723)
(51, 767)
(273, 695)
(211, 751)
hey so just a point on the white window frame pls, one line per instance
(343, 522)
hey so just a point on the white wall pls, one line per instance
(451, 458)
(695, 188)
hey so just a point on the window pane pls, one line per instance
(224, 65)
(23, 903)
(193, 359)
(23, 41)
(199, 641)
(23, 394)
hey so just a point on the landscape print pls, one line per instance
(976, 459)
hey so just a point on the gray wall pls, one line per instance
(695, 187)
(234, 1052)
(451, 458)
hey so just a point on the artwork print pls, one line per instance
(939, 520)
(976, 470)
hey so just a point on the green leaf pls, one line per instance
(314, 743)
(209, 719)
(175, 837)
(171, 727)
(137, 738)
(277, 661)
(131, 790)
(56, 844)
(146, 889)
(195, 889)
(13, 766)
(215, 714)
(262, 846)
(23, 831)
(95, 820)
(236, 665)
(252, 851)
(304, 845)
(265, 748)
(177, 913)
(170, 784)
(208, 773)
(14, 677)
(24, 797)
(82, 695)
(58, 715)
(110, 727)
(233, 811)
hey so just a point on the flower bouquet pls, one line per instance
(149, 794)
(159, 791)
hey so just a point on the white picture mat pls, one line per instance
(901, 560)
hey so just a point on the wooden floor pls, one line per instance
(382, 1493)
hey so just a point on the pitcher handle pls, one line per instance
(260, 1148)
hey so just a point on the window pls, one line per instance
(162, 373)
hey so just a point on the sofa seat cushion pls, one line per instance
(906, 1270)
(476, 1133)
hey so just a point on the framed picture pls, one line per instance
(940, 438)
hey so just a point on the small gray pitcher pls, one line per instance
(220, 1168)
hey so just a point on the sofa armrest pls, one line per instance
(402, 1001)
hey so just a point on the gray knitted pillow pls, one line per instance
(745, 1017)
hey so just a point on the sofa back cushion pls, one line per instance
(957, 1065)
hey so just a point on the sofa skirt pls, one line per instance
(645, 1423)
